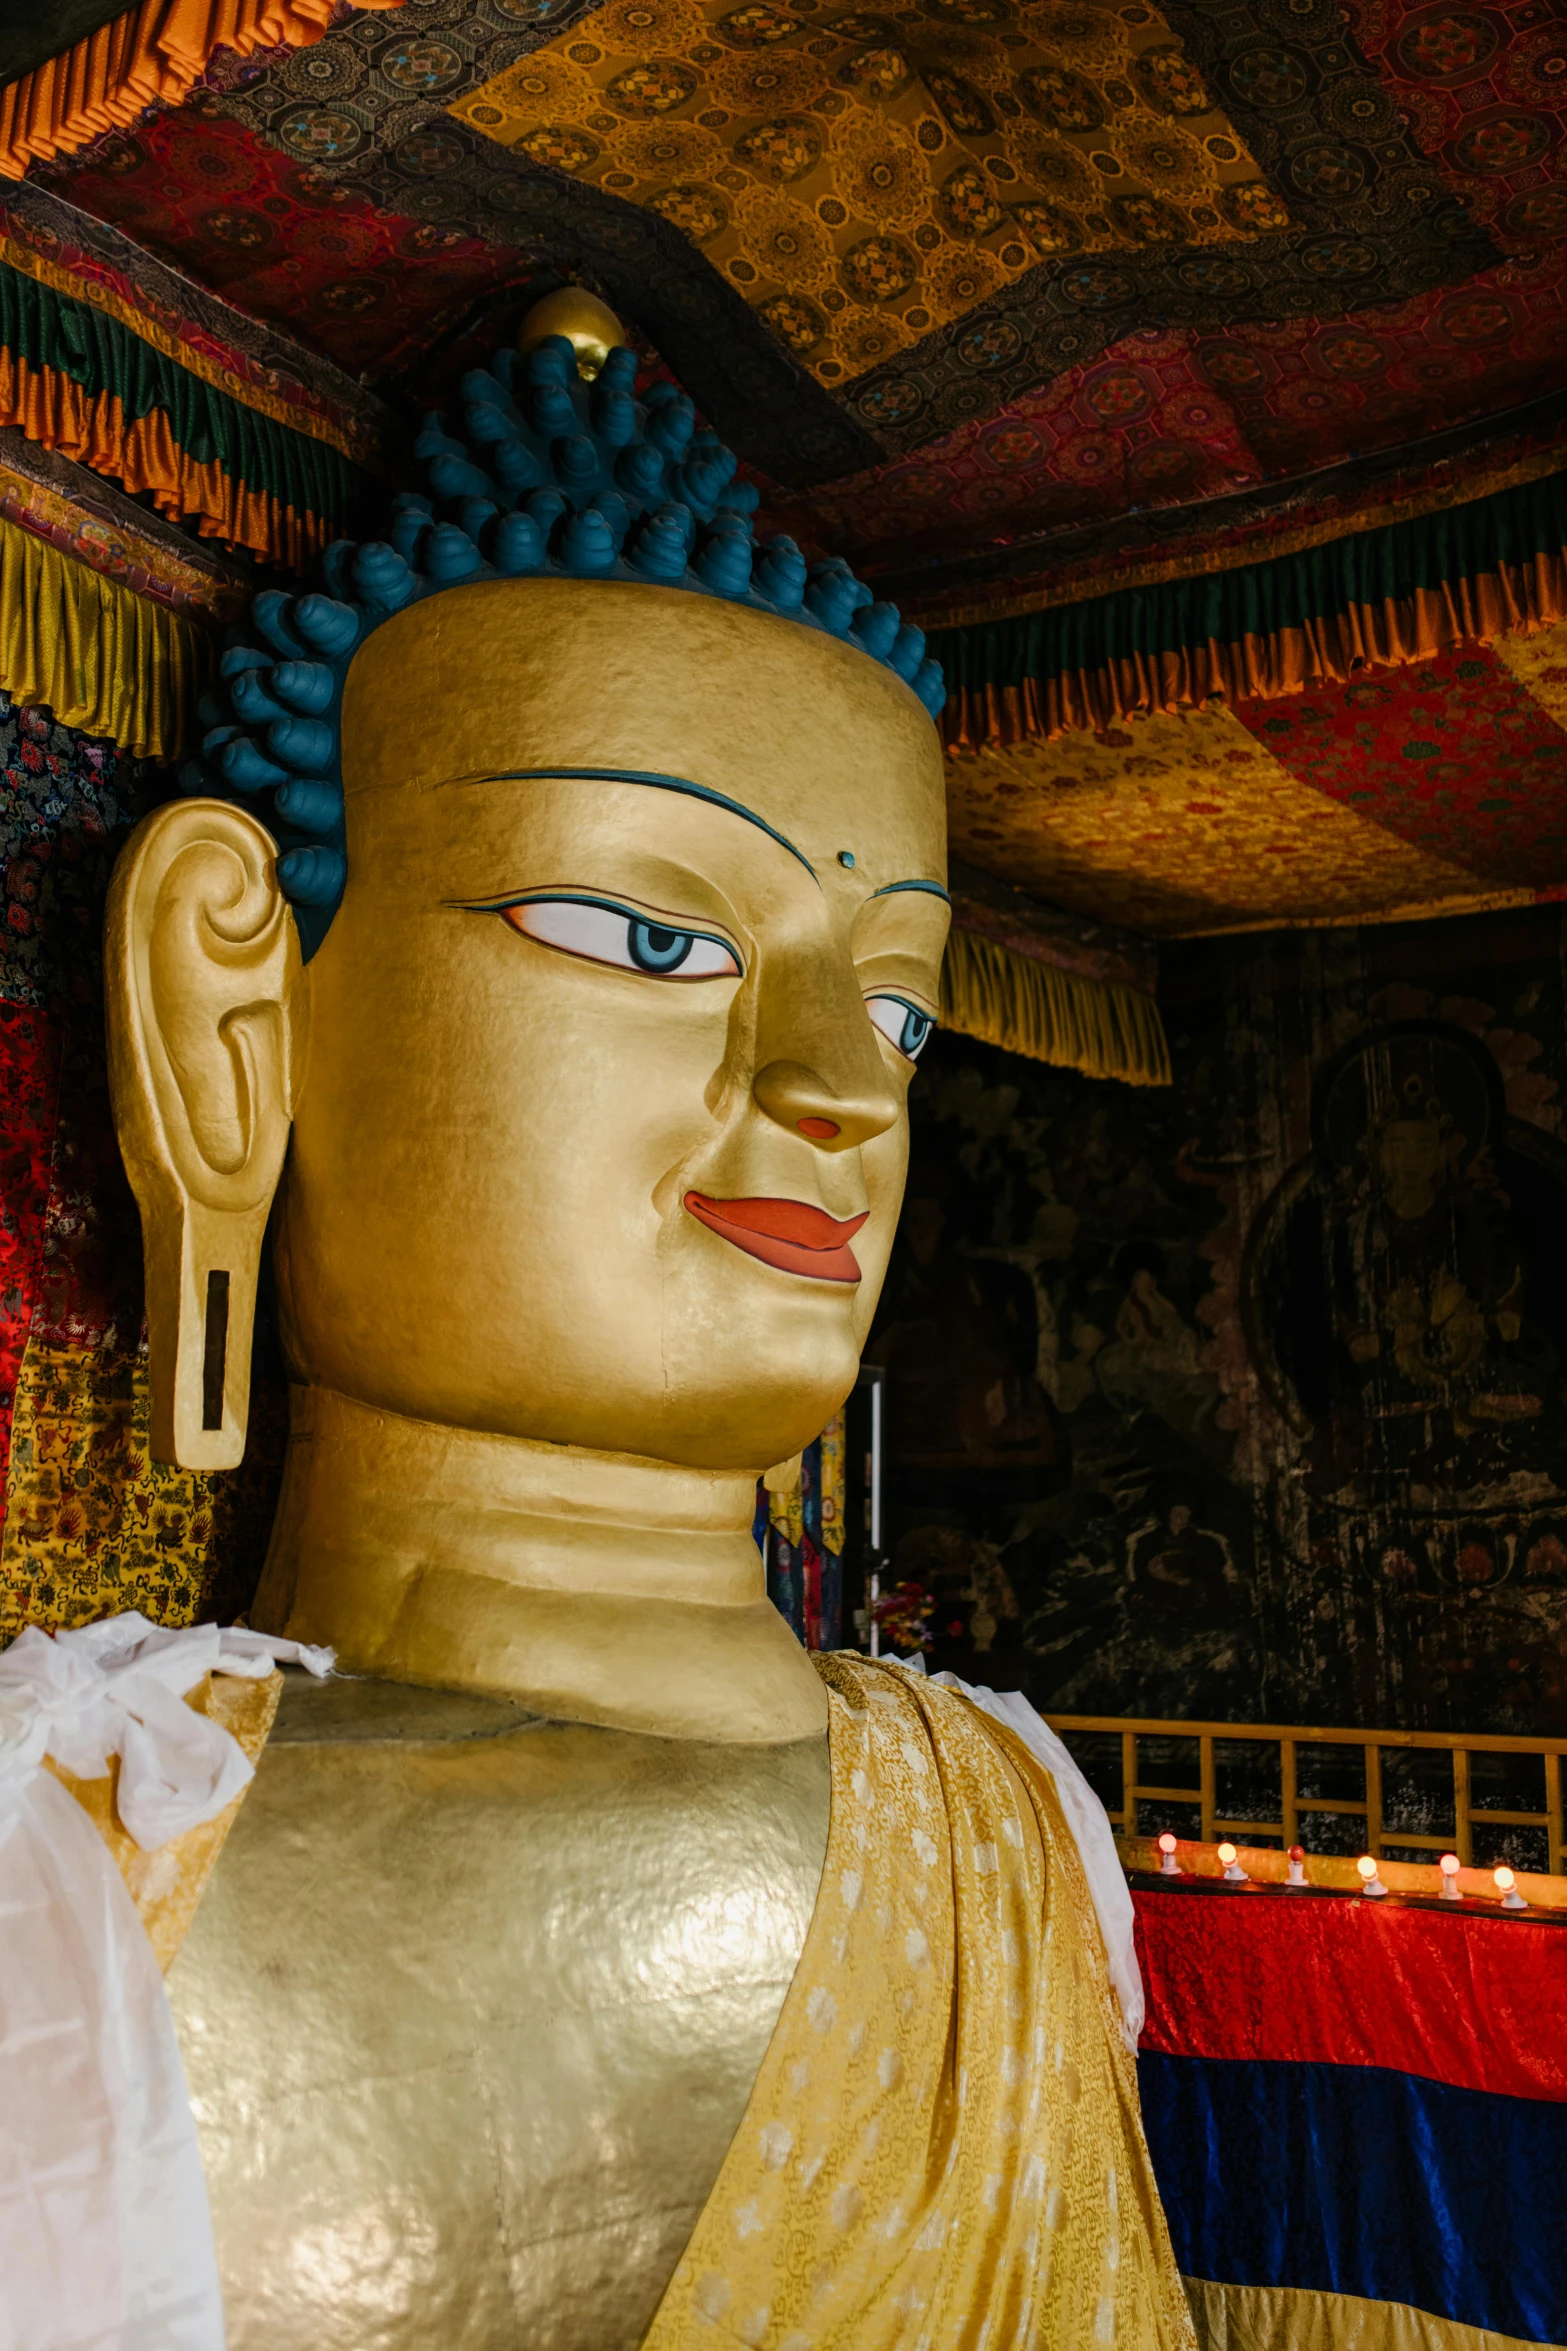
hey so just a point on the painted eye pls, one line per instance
(604, 933)
(901, 1024)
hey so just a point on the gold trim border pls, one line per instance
(1298, 2318)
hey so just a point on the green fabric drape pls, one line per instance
(1511, 529)
(99, 355)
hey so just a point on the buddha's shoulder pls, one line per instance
(383, 1730)
(373, 1785)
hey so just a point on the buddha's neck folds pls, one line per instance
(590, 1586)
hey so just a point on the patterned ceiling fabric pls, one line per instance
(1452, 755)
(1080, 464)
(1137, 426)
(1182, 825)
(1317, 465)
(1397, 594)
(375, 117)
(281, 240)
(368, 108)
(391, 254)
(1486, 96)
(1370, 216)
(1378, 216)
(151, 56)
(1166, 418)
(1148, 545)
(863, 179)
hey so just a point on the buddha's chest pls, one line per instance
(471, 2011)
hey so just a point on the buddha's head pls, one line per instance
(573, 1025)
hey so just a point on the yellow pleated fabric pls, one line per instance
(98, 655)
(943, 2150)
(1101, 1027)
(1288, 2318)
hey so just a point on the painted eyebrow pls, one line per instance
(664, 783)
(931, 890)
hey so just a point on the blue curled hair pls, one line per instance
(553, 478)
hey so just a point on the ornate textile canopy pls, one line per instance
(1192, 371)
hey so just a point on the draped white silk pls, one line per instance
(105, 2237)
(1089, 1823)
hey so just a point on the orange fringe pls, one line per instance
(58, 414)
(151, 56)
(1517, 599)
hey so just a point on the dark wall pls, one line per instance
(1247, 1398)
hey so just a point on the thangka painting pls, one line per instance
(1246, 1399)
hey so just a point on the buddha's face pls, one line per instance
(602, 1126)
(1411, 1159)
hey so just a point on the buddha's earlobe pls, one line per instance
(202, 976)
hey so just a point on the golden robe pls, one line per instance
(943, 2146)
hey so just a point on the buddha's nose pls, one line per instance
(799, 1099)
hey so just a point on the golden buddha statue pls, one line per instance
(589, 1967)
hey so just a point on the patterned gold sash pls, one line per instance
(943, 2146)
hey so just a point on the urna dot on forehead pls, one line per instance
(554, 470)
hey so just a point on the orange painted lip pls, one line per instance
(788, 1234)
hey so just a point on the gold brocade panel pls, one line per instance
(943, 2145)
(1295, 2318)
(1181, 822)
(94, 653)
(863, 177)
(93, 1525)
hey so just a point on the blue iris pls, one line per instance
(653, 948)
(916, 1028)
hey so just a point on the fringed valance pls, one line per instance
(88, 518)
(1051, 986)
(80, 382)
(1007, 999)
(90, 261)
(1488, 568)
(99, 656)
(151, 56)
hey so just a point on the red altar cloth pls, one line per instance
(1358, 2114)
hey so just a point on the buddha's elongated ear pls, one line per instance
(202, 972)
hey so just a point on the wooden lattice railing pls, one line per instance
(1288, 1739)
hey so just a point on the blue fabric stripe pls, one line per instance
(1353, 2179)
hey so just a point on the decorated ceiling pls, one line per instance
(1193, 372)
